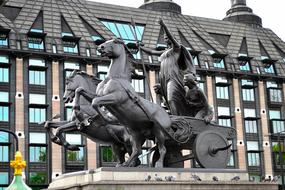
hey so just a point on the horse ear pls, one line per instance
(74, 72)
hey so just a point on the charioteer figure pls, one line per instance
(176, 61)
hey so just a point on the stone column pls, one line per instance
(56, 149)
(19, 105)
(265, 133)
(210, 91)
(91, 146)
(239, 127)
(151, 84)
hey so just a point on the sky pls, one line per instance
(272, 12)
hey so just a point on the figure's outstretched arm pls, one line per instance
(169, 34)
(151, 51)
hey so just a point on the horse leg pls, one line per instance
(54, 124)
(119, 152)
(81, 92)
(161, 121)
(108, 99)
(160, 140)
(136, 151)
(71, 126)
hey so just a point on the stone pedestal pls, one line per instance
(134, 179)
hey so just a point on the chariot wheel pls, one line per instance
(211, 149)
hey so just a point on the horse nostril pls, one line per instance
(102, 47)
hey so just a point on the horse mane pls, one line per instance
(94, 79)
(130, 56)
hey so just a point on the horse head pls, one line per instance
(79, 79)
(113, 48)
(70, 87)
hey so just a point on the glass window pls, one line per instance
(221, 80)
(195, 59)
(271, 84)
(37, 62)
(75, 156)
(3, 39)
(102, 71)
(54, 49)
(4, 75)
(232, 160)
(138, 84)
(71, 65)
(4, 59)
(144, 157)
(37, 98)
(37, 138)
(248, 94)
(70, 47)
(36, 30)
(249, 112)
(74, 139)
(107, 154)
(4, 137)
(244, 66)
(269, 69)
(68, 111)
(37, 178)
(37, 77)
(252, 145)
(4, 113)
(250, 126)
(253, 159)
(38, 153)
(246, 82)
(219, 63)
(4, 96)
(37, 115)
(274, 114)
(4, 153)
(222, 92)
(4, 178)
(35, 43)
(223, 111)
(125, 31)
(4, 149)
(275, 95)
(66, 34)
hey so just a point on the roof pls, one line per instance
(223, 36)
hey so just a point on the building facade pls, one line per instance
(240, 67)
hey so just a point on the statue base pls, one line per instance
(134, 179)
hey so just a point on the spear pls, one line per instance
(142, 60)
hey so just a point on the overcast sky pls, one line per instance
(272, 12)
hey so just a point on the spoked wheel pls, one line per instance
(211, 150)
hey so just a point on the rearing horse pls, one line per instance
(142, 118)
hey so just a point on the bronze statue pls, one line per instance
(176, 61)
(137, 119)
(197, 100)
(87, 121)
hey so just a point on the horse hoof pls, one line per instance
(118, 165)
(158, 165)
(55, 139)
